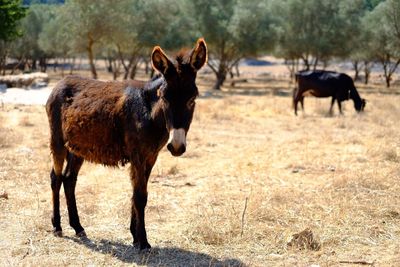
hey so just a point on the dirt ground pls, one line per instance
(257, 186)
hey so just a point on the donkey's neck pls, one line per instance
(152, 99)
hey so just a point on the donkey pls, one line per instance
(120, 122)
(321, 83)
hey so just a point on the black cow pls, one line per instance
(320, 83)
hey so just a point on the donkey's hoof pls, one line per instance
(145, 246)
(142, 246)
(57, 233)
(81, 234)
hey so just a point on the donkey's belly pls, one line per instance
(94, 138)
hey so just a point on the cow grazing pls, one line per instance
(114, 123)
(322, 83)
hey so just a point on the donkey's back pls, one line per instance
(86, 117)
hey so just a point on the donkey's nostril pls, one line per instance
(176, 151)
(170, 147)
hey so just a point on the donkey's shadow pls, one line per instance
(157, 256)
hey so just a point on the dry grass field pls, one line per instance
(256, 187)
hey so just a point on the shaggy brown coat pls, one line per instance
(115, 123)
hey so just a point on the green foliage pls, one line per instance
(382, 25)
(371, 4)
(318, 30)
(89, 21)
(56, 35)
(252, 27)
(162, 22)
(11, 12)
(233, 29)
(32, 25)
(383, 29)
(392, 16)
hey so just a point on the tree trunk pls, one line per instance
(62, 67)
(315, 65)
(146, 66)
(388, 79)
(356, 67)
(20, 65)
(367, 71)
(3, 64)
(34, 65)
(221, 76)
(71, 69)
(237, 69)
(114, 68)
(43, 64)
(293, 66)
(128, 68)
(109, 64)
(133, 70)
(306, 63)
(389, 68)
(91, 59)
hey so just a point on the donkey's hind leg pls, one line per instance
(74, 163)
(59, 154)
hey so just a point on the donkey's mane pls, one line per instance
(183, 56)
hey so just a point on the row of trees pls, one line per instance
(306, 33)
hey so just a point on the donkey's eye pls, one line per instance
(190, 104)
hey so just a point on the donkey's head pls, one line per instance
(178, 93)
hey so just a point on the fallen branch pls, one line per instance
(361, 262)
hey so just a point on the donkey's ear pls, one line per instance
(159, 60)
(198, 56)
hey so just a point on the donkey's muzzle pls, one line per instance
(177, 142)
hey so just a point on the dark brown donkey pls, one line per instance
(115, 123)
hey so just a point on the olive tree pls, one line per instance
(26, 48)
(233, 29)
(89, 25)
(382, 24)
(315, 31)
(139, 30)
(11, 12)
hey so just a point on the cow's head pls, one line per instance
(179, 92)
(359, 106)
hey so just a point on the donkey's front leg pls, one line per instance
(139, 201)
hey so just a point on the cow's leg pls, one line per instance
(339, 103)
(59, 153)
(332, 102)
(295, 100)
(302, 103)
(74, 163)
